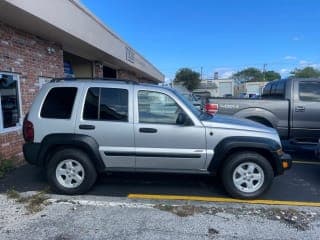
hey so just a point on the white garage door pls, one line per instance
(225, 88)
(253, 89)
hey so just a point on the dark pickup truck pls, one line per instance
(292, 106)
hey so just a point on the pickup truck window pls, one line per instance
(275, 90)
(266, 91)
(274, 86)
(309, 91)
(280, 89)
(156, 107)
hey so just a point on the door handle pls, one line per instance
(300, 109)
(148, 130)
(86, 127)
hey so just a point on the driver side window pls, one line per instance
(156, 107)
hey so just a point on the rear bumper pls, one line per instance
(31, 153)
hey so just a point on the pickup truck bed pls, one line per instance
(272, 113)
(292, 106)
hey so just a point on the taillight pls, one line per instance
(212, 108)
(28, 130)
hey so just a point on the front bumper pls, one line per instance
(286, 161)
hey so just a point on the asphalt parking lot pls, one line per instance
(301, 183)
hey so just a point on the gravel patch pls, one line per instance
(73, 218)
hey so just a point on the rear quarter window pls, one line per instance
(59, 103)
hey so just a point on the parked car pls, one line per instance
(76, 129)
(228, 95)
(292, 106)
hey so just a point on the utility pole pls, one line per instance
(201, 73)
(264, 72)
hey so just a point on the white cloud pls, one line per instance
(290, 58)
(224, 72)
(304, 62)
(296, 38)
(315, 65)
(227, 74)
(284, 72)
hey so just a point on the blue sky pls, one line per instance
(223, 36)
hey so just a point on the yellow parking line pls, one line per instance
(306, 162)
(221, 199)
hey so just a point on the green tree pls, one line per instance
(249, 75)
(188, 78)
(271, 75)
(255, 75)
(307, 72)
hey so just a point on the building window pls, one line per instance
(10, 114)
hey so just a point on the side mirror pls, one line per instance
(183, 119)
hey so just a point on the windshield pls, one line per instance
(201, 115)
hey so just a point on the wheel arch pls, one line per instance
(55, 142)
(260, 115)
(227, 147)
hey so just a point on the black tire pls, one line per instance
(90, 174)
(246, 157)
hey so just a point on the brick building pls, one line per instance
(40, 40)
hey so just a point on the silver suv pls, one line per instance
(76, 129)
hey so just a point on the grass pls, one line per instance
(297, 219)
(6, 165)
(182, 211)
(33, 204)
(13, 194)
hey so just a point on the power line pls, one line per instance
(271, 63)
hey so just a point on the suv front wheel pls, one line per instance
(247, 175)
(70, 171)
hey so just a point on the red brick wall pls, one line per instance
(28, 56)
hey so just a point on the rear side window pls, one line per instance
(266, 90)
(275, 89)
(59, 103)
(106, 104)
(280, 90)
(309, 91)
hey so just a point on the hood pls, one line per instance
(227, 122)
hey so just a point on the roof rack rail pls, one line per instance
(94, 79)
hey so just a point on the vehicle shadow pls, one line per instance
(31, 178)
(305, 177)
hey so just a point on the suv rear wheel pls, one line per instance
(70, 171)
(247, 175)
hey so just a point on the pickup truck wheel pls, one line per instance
(247, 175)
(70, 171)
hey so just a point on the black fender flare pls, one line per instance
(62, 140)
(267, 147)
